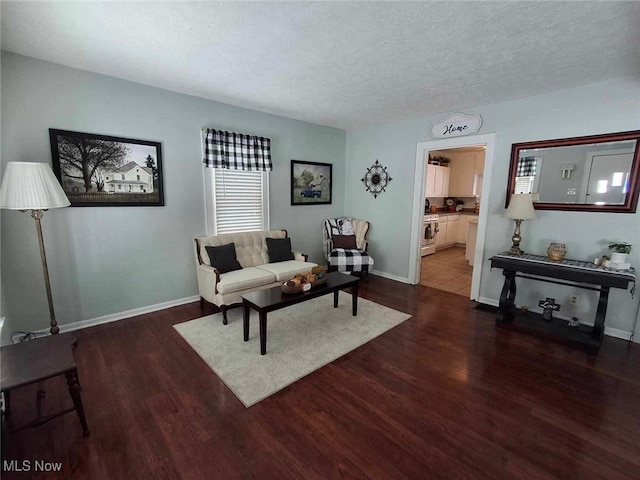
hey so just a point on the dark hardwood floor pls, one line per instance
(446, 394)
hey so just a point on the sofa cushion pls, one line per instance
(344, 241)
(251, 248)
(279, 249)
(284, 271)
(223, 258)
(249, 277)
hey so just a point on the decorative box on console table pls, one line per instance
(573, 273)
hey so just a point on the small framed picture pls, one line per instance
(104, 171)
(310, 183)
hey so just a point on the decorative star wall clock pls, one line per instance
(376, 179)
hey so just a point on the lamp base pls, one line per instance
(515, 250)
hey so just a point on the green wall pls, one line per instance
(599, 108)
(105, 261)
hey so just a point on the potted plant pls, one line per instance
(619, 251)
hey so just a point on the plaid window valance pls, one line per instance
(527, 167)
(236, 151)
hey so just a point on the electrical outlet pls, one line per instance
(573, 299)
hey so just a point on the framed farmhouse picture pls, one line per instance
(310, 183)
(104, 171)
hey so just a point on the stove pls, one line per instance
(429, 234)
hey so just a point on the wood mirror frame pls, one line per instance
(631, 199)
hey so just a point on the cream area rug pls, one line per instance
(300, 339)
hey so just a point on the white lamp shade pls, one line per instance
(520, 207)
(31, 186)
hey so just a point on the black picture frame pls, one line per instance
(311, 183)
(114, 171)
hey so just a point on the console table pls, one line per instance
(573, 273)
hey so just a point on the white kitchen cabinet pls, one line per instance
(437, 181)
(448, 230)
(451, 236)
(463, 227)
(442, 233)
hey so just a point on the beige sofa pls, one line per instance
(224, 289)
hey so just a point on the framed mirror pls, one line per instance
(598, 173)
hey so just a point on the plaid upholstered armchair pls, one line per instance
(345, 245)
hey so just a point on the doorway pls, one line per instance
(453, 215)
(488, 141)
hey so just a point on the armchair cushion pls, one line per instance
(223, 258)
(344, 241)
(279, 249)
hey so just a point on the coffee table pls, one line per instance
(268, 300)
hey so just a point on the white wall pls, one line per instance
(107, 260)
(600, 108)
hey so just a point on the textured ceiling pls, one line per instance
(343, 64)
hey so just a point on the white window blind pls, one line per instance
(524, 185)
(239, 201)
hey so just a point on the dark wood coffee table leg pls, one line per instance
(74, 390)
(354, 300)
(245, 320)
(335, 298)
(263, 332)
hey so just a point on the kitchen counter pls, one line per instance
(463, 212)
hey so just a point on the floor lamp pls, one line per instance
(29, 186)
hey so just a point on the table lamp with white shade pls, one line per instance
(30, 186)
(520, 208)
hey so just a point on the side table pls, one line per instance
(36, 360)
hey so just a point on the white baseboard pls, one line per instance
(390, 277)
(92, 322)
(612, 332)
(488, 301)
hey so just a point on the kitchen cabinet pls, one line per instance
(448, 230)
(463, 227)
(437, 181)
(442, 233)
(451, 236)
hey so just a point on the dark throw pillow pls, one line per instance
(344, 241)
(279, 249)
(223, 258)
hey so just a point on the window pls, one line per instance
(528, 175)
(138, 177)
(236, 200)
(524, 184)
(123, 176)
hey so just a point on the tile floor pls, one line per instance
(447, 270)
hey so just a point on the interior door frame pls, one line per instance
(417, 217)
